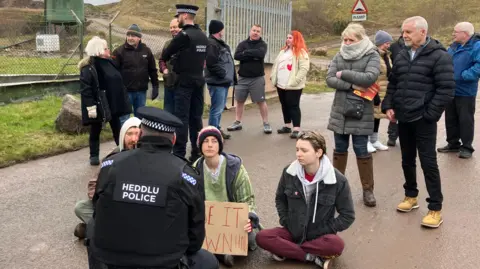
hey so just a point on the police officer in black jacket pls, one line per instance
(189, 46)
(149, 207)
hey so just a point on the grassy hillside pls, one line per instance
(151, 14)
(323, 18)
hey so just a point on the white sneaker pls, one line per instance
(379, 146)
(370, 147)
(323, 263)
(278, 258)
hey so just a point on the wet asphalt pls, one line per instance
(37, 200)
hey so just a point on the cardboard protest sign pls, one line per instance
(224, 224)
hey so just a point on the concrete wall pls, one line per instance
(23, 87)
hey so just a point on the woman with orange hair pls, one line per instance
(289, 74)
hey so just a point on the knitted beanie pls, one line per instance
(215, 27)
(134, 30)
(210, 131)
(382, 37)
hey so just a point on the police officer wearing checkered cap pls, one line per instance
(190, 48)
(149, 209)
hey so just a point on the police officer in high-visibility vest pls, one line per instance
(149, 209)
(190, 48)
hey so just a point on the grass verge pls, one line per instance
(36, 65)
(316, 88)
(28, 131)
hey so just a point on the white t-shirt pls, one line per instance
(284, 68)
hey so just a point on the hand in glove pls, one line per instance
(92, 112)
(154, 92)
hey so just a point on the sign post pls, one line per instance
(359, 11)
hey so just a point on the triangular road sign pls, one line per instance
(359, 8)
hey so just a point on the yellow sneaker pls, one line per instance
(433, 219)
(408, 204)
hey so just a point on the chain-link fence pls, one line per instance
(29, 45)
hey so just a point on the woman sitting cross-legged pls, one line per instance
(226, 180)
(308, 194)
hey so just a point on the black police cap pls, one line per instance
(158, 119)
(182, 8)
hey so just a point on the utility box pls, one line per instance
(48, 43)
(59, 11)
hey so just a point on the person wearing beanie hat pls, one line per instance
(382, 41)
(215, 27)
(134, 30)
(220, 73)
(137, 64)
(226, 179)
(382, 37)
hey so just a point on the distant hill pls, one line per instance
(22, 3)
(150, 14)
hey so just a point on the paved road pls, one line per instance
(37, 199)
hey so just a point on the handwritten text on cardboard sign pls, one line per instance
(224, 224)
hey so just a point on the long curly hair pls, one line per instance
(298, 45)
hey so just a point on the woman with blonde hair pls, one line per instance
(103, 95)
(353, 73)
(289, 74)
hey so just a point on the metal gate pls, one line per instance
(275, 17)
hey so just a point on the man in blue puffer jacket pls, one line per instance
(459, 114)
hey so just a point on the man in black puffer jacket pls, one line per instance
(421, 86)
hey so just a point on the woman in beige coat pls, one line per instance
(382, 41)
(289, 74)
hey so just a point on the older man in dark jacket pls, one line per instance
(420, 88)
(136, 63)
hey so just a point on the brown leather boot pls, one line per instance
(365, 169)
(340, 161)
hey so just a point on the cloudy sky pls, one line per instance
(100, 2)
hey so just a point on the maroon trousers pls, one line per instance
(278, 241)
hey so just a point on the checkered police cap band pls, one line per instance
(158, 126)
(186, 10)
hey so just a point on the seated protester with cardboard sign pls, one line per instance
(226, 180)
(149, 209)
(129, 134)
(309, 192)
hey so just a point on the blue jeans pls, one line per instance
(218, 95)
(359, 144)
(137, 99)
(169, 99)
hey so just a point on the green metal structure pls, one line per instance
(59, 11)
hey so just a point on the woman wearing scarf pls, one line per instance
(353, 73)
(289, 76)
(308, 194)
(382, 41)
